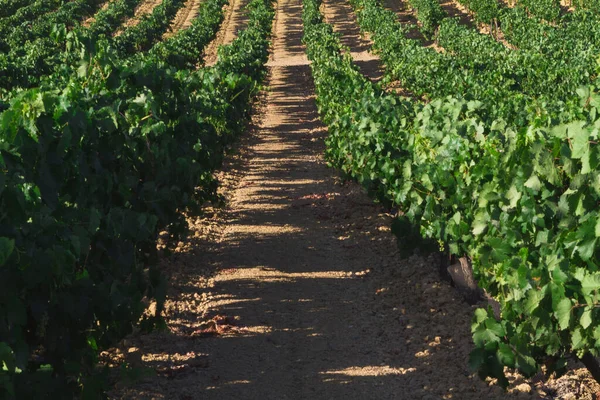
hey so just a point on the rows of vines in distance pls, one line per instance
(104, 139)
(494, 158)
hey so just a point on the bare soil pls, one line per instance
(295, 289)
(567, 6)
(341, 16)
(184, 17)
(235, 20)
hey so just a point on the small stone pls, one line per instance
(523, 387)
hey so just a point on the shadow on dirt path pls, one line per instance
(341, 16)
(234, 20)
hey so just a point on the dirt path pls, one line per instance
(236, 19)
(341, 16)
(309, 298)
(344, 21)
(567, 6)
(184, 17)
(397, 6)
(144, 8)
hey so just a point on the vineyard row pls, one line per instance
(95, 165)
(518, 197)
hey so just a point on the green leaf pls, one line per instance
(426, 182)
(95, 219)
(501, 249)
(82, 70)
(578, 341)
(590, 283)
(92, 342)
(6, 248)
(494, 326)
(486, 329)
(541, 238)
(563, 313)
(533, 183)
(407, 170)
(456, 217)
(479, 227)
(586, 249)
(476, 359)
(7, 357)
(558, 275)
(534, 297)
(506, 355)
(526, 364)
(586, 319)
(596, 335)
(579, 139)
(513, 195)
(480, 223)
(480, 315)
(584, 92)
(558, 293)
(563, 204)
